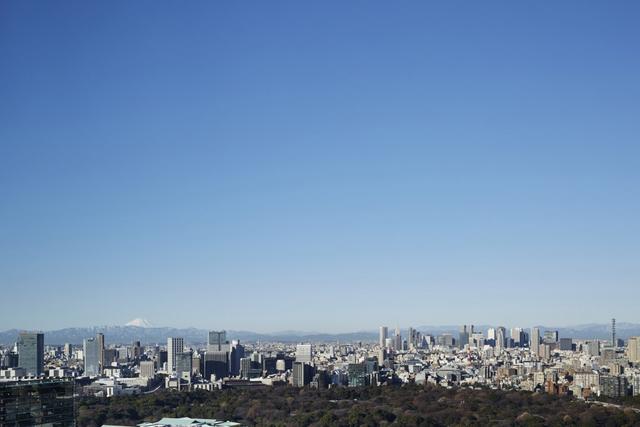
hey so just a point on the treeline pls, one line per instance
(408, 405)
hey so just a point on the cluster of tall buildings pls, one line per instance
(523, 358)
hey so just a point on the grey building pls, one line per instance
(534, 340)
(146, 369)
(174, 347)
(550, 337)
(216, 363)
(465, 332)
(613, 386)
(31, 352)
(384, 334)
(304, 353)
(566, 344)
(357, 374)
(100, 339)
(217, 341)
(235, 355)
(184, 365)
(92, 357)
(302, 374)
(42, 402)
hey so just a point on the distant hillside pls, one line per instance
(587, 331)
(128, 334)
(151, 335)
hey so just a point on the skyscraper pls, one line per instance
(501, 333)
(302, 374)
(174, 346)
(216, 363)
(550, 337)
(68, 350)
(92, 366)
(465, 332)
(100, 339)
(42, 402)
(236, 353)
(633, 349)
(184, 363)
(534, 340)
(217, 341)
(304, 353)
(384, 332)
(31, 352)
(613, 333)
(146, 369)
(397, 344)
(517, 336)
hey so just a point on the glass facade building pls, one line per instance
(37, 403)
(31, 352)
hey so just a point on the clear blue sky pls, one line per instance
(323, 166)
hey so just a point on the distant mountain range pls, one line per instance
(149, 335)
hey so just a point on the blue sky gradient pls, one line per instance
(324, 166)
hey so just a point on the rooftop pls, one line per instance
(185, 421)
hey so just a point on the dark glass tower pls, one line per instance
(31, 352)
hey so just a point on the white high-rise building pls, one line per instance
(516, 336)
(398, 340)
(174, 346)
(534, 340)
(304, 353)
(146, 369)
(501, 333)
(491, 334)
(633, 349)
(384, 332)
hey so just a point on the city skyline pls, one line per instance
(160, 333)
(426, 160)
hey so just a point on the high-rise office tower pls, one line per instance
(550, 337)
(491, 334)
(68, 350)
(100, 339)
(184, 365)
(304, 353)
(517, 336)
(302, 374)
(236, 353)
(382, 355)
(397, 344)
(501, 333)
(613, 333)
(42, 402)
(633, 349)
(245, 367)
(534, 340)
(146, 369)
(477, 339)
(384, 333)
(216, 363)
(31, 352)
(411, 334)
(136, 350)
(217, 341)
(465, 332)
(174, 346)
(91, 349)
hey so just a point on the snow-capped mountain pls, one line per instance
(140, 323)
